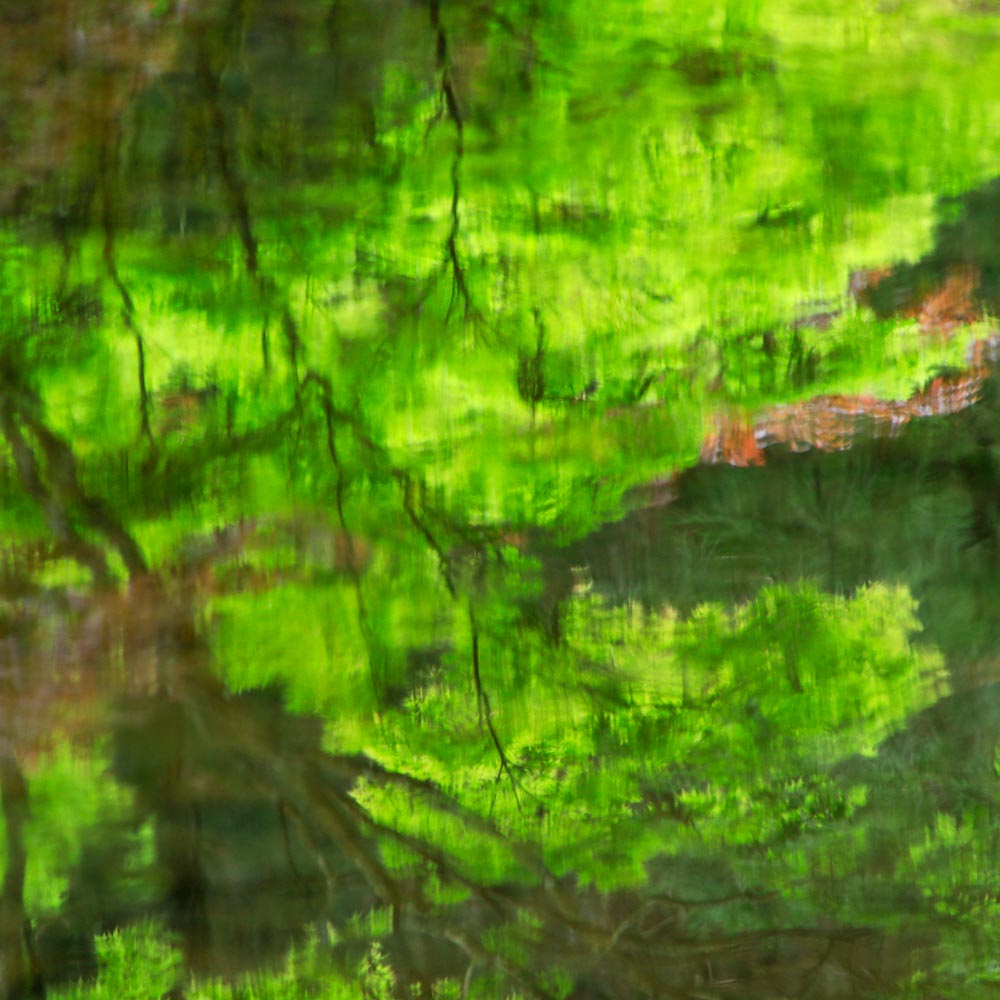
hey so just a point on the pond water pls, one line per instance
(500, 500)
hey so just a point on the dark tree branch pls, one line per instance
(61, 464)
(486, 713)
(452, 108)
(231, 179)
(20, 977)
(56, 514)
(128, 308)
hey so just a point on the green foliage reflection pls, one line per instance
(326, 327)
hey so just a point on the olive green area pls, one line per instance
(368, 626)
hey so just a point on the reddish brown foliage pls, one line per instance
(950, 305)
(832, 423)
(938, 310)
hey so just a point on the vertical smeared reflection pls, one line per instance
(498, 500)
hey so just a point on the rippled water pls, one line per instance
(499, 500)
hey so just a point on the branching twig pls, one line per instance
(128, 308)
(451, 107)
(486, 713)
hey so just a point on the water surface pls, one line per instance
(499, 500)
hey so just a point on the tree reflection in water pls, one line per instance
(409, 564)
(257, 834)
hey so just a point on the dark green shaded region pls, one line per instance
(967, 236)
(922, 510)
(261, 840)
